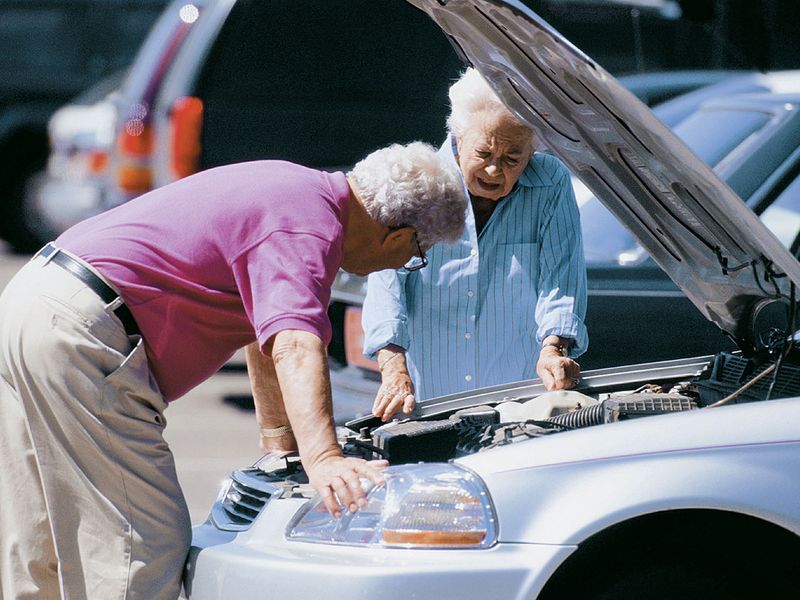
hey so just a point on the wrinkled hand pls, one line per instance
(396, 391)
(338, 481)
(557, 372)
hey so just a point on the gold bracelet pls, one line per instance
(558, 346)
(275, 432)
(388, 360)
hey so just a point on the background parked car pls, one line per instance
(51, 50)
(260, 92)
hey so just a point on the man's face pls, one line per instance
(492, 154)
(391, 249)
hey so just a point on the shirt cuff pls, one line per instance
(383, 334)
(275, 326)
(566, 326)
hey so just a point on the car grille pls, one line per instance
(243, 499)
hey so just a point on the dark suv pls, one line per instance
(50, 50)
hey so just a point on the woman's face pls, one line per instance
(493, 153)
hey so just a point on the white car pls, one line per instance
(677, 479)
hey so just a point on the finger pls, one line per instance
(560, 373)
(343, 492)
(381, 402)
(330, 501)
(392, 407)
(380, 399)
(408, 403)
(547, 380)
(358, 498)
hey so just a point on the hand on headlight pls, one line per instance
(338, 481)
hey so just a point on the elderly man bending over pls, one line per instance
(133, 308)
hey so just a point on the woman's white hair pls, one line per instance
(412, 186)
(469, 96)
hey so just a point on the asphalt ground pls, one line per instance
(212, 430)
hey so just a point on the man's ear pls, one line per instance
(397, 237)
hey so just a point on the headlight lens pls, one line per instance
(419, 506)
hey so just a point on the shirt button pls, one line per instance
(468, 378)
(473, 317)
(470, 293)
(468, 335)
(473, 252)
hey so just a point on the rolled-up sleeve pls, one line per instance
(561, 304)
(384, 317)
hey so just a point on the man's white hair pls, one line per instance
(412, 186)
(471, 95)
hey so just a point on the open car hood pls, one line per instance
(694, 226)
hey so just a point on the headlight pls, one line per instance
(419, 506)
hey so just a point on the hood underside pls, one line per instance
(692, 224)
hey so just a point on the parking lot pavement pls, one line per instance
(210, 438)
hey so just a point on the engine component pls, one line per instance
(472, 425)
(414, 441)
(729, 372)
(621, 408)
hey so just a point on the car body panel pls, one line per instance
(715, 459)
(281, 569)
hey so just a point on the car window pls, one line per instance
(782, 217)
(714, 133)
(606, 241)
(323, 83)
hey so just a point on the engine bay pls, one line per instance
(727, 378)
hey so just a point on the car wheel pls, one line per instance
(686, 555)
(663, 582)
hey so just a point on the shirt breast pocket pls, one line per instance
(518, 263)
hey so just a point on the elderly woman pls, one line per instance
(507, 301)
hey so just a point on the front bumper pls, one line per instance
(261, 563)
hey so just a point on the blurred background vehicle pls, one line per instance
(51, 50)
(269, 90)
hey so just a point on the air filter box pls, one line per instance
(415, 441)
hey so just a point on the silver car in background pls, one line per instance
(675, 479)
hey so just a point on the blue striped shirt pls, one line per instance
(477, 314)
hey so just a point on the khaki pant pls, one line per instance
(89, 500)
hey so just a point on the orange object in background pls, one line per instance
(186, 127)
(135, 145)
(354, 340)
(97, 161)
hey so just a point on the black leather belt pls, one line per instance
(97, 285)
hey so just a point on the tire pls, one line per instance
(670, 582)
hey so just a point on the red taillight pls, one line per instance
(135, 145)
(354, 340)
(187, 125)
(97, 161)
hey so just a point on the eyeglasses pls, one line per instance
(417, 262)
